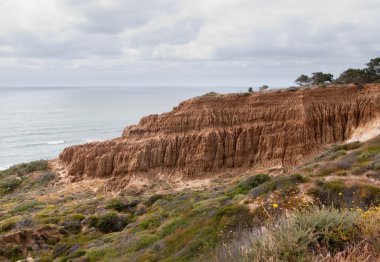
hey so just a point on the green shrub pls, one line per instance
(278, 183)
(364, 156)
(295, 237)
(246, 185)
(7, 225)
(13, 253)
(211, 94)
(45, 178)
(116, 204)
(346, 162)
(71, 226)
(8, 185)
(91, 221)
(151, 200)
(26, 206)
(111, 222)
(95, 255)
(78, 217)
(152, 222)
(26, 168)
(347, 147)
(326, 171)
(337, 194)
(144, 241)
(25, 222)
(234, 217)
(172, 227)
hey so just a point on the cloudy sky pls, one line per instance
(182, 42)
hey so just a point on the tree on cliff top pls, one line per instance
(373, 69)
(354, 76)
(303, 80)
(319, 78)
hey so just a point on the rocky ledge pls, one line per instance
(226, 133)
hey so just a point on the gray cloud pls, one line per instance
(114, 19)
(177, 42)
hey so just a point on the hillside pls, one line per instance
(239, 177)
(230, 133)
(227, 219)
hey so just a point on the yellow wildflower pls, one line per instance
(275, 205)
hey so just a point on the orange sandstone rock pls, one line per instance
(210, 134)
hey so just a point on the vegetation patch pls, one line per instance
(111, 222)
(245, 186)
(336, 193)
(26, 206)
(8, 185)
(295, 237)
(151, 200)
(26, 168)
(116, 204)
(278, 183)
(45, 178)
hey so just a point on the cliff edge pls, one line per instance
(210, 134)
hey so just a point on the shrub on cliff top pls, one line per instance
(26, 168)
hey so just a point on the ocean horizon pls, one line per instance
(39, 122)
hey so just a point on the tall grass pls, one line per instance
(296, 237)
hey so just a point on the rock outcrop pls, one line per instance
(210, 134)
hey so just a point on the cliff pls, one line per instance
(210, 134)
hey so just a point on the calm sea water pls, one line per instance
(37, 123)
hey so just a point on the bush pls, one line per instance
(116, 204)
(152, 222)
(90, 221)
(151, 200)
(277, 183)
(111, 222)
(337, 194)
(9, 185)
(348, 146)
(13, 253)
(234, 218)
(211, 94)
(26, 168)
(172, 227)
(346, 162)
(25, 206)
(295, 237)
(144, 241)
(7, 225)
(71, 226)
(246, 185)
(25, 222)
(45, 178)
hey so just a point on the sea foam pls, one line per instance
(56, 142)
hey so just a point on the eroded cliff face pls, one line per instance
(208, 134)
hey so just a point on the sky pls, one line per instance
(182, 42)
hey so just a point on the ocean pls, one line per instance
(39, 122)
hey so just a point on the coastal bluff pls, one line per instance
(222, 133)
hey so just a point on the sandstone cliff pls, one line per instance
(230, 132)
